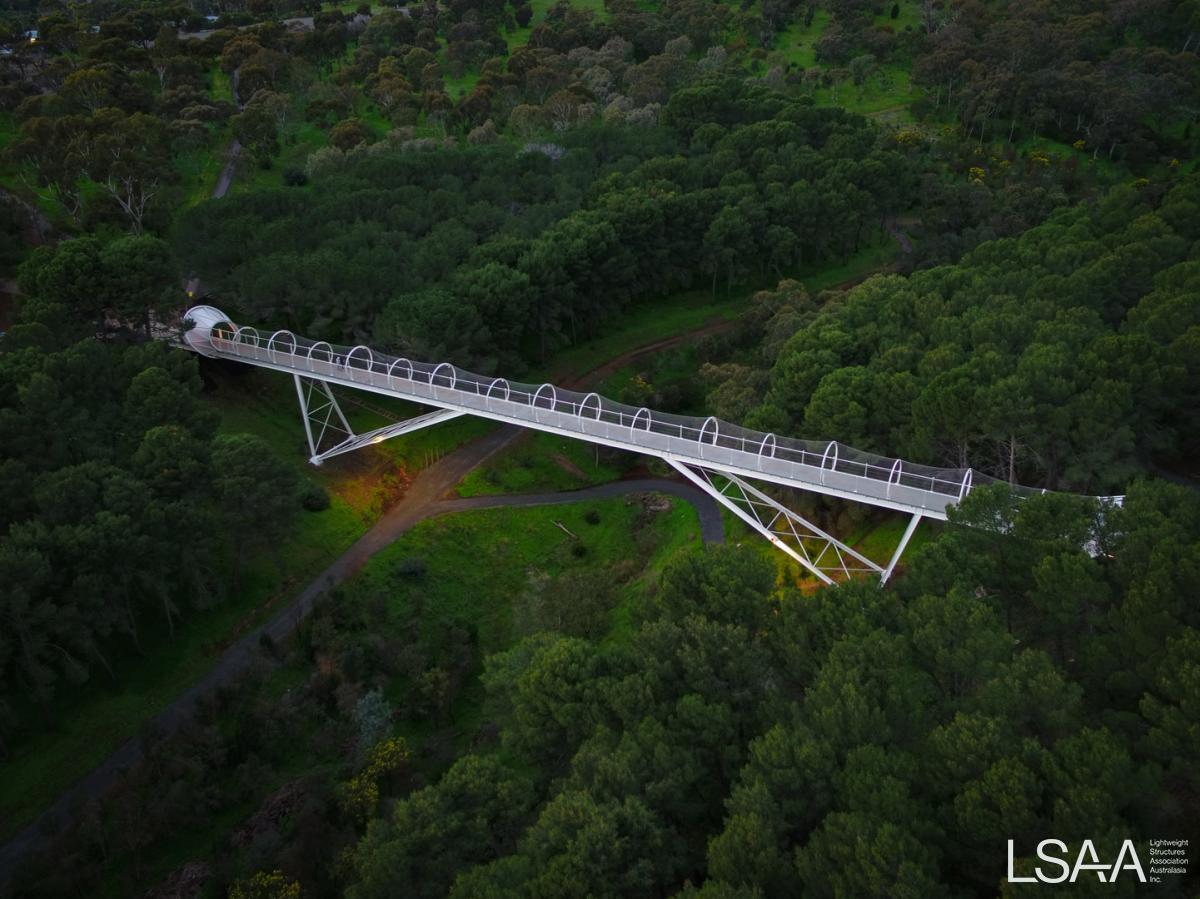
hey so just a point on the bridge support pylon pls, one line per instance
(323, 418)
(822, 554)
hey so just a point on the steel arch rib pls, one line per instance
(271, 344)
(584, 402)
(350, 360)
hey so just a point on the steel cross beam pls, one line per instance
(328, 416)
(814, 549)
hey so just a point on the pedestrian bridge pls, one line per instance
(719, 457)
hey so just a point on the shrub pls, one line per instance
(412, 566)
(294, 177)
(592, 517)
(579, 550)
(314, 497)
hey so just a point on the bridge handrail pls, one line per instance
(813, 462)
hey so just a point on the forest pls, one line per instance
(961, 232)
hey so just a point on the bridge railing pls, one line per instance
(711, 440)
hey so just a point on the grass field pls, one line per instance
(477, 561)
(796, 44)
(220, 85)
(198, 170)
(297, 140)
(541, 462)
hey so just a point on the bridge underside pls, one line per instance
(828, 559)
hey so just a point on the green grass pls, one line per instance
(199, 168)
(888, 90)
(1108, 170)
(371, 116)
(461, 85)
(909, 17)
(297, 140)
(796, 43)
(875, 255)
(221, 86)
(479, 560)
(539, 463)
(878, 540)
(656, 320)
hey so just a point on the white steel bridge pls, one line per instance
(720, 458)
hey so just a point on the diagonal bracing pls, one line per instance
(324, 417)
(819, 552)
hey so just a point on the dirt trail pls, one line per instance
(595, 375)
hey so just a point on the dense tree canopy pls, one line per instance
(842, 741)
(527, 261)
(117, 487)
(1063, 357)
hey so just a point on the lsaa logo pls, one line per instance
(1057, 854)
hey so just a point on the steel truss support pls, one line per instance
(908, 532)
(323, 416)
(820, 553)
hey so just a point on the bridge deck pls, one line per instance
(593, 419)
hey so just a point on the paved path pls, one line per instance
(423, 499)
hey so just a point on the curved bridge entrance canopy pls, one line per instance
(718, 456)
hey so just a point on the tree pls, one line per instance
(127, 154)
(373, 717)
(257, 129)
(856, 854)
(266, 885)
(348, 134)
(725, 585)
(73, 274)
(579, 847)
(257, 493)
(142, 279)
(54, 147)
(470, 816)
